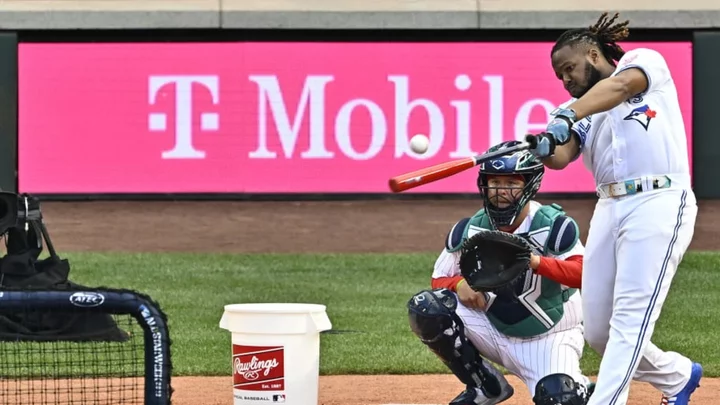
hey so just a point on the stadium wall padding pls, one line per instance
(706, 87)
(8, 110)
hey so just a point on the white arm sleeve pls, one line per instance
(447, 265)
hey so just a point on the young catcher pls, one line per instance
(530, 321)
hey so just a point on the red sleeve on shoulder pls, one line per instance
(566, 272)
(446, 282)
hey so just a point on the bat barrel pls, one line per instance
(430, 174)
(440, 171)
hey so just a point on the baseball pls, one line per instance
(419, 143)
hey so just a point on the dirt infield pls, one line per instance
(255, 227)
(367, 226)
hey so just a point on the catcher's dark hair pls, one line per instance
(605, 34)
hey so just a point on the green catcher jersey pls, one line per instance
(537, 304)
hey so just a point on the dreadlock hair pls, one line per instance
(604, 34)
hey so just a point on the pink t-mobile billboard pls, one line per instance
(282, 117)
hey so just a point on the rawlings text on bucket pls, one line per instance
(258, 368)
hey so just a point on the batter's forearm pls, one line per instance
(563, 155)
(605, 95)
(556, 162)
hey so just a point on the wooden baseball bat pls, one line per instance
(442, 170)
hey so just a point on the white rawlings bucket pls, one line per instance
(275, 352)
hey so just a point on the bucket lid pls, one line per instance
(275, 308)
(275, 318)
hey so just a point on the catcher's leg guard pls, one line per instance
(560, 389)
(433, 319)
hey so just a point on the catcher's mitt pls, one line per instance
(494, 260)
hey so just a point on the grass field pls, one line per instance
(365, 297)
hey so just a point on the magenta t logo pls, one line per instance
(183, 148)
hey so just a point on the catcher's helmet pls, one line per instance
(521, 163)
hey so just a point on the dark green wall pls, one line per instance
(8, 110)
(706, 111)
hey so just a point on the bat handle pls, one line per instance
(532, 140)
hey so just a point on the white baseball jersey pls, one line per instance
(643, 136)
(632, 252)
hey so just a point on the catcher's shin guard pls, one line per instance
(433, 319)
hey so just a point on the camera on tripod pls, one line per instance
(17, 211)
(21, 222)
(22, 269)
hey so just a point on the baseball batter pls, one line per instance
(625, 119)
(535, 330)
